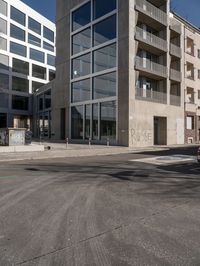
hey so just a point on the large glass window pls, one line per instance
(3, 44)
(3, 100)
(108, 120)
(104, 86)
(37, 55)
(77, 122)
(105, 30)
(18, 49)
(47, 99)
(3, 118)
(81, 16)
(18, 16)
(4, 62)
(81, 66)
(48, 34)
(3, 26)
(34, 40)
(87, 121)
(95, 119)
(48, 46)
(3, 7)
(81, 41)
(20, 102)
(34, 25)
(19, 84)
(36, 85)
(102, 7)
(39, 72)
(81, 91)
(52, 74)
(51, 60)
(4, 81)
(104, 58)
(20, 66)
(17, 33)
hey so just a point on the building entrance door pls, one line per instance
(160, 131)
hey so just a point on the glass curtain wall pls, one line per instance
(94, 71)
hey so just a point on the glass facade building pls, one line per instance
(93, 84)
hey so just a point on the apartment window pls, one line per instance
(34, 25)
(47, 99)
(104, 58)
(20, 103)
(52, 75)
(108, 120)
(81, 41)
(18, 16)
(37, 55)
(104, 31)
(4, 81)
(3, 7)
(3, 44)
(18, 49)
(81, 91)
(36, 86)
(17, 33)
(102, 7)
(39, 72)
(3, 26)
(104, 86)
(20, 84)
(81, 66)
(190, 122)
(198, 94)
(34, 40)
(4, 62)
(48, 46)
(51, 60)
(3, 101)
(20, 66)
(48, 34)
(77, 122)
(81, 16)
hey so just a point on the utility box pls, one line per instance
(12, 137)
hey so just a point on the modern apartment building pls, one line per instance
(120, 73)
(27, 60)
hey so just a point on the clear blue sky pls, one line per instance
(189, 9)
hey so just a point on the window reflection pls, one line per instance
(81, 41)
(108, 120)
(81, 91)
(81, 16)
(77, 122)
(104, 58)
(104, 86)
(81, 66)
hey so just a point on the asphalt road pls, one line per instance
(100, 211)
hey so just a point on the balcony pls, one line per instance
(151, 95)
(175, 75)
(148, 66)
(151, 11)
(175, 26)
(150, 39)
(175, 50)
(175, 100)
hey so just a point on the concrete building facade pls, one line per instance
(27, 60)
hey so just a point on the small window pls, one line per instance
(81, 16)
(4, 62)
(20, 66)
(18, 16)
(39, 72)
(3, 7)
(81, 66)
(3, 44)
(104, 86)
(51, 60)
(20, 84)
(81, 41)
(4, 81)
(17, 33)
(34, 40)
(104, 31)
(81, 91)
(190, 122)
(20, 102)
(48, 46)
(34, 25)
(102, 7)
(18, 49)
(48, 34)
(3, 26)
(37, 55)
(4, 104)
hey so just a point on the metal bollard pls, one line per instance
(108, 142)
(67, 143)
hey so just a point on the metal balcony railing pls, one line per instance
(151, 39)
(150, 67)
(175, 100)
(175, 75)
(152, 11)
(151, 95)
(175, 50)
